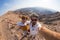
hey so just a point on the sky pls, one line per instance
(8, 5)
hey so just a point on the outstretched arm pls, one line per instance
(50, 33)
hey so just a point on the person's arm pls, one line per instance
(50, 32)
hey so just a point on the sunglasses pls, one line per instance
(34, 19)
(23, 18)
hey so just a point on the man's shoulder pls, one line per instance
(39, 24)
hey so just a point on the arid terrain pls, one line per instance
(8, 27)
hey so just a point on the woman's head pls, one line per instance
(24, 18)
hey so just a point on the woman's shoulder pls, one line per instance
(28, 22)
(19, 22)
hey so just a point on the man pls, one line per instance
(35, 26)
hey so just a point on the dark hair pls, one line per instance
(34, 15)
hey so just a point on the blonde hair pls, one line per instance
(25, 16)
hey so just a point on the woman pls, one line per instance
(23, 25)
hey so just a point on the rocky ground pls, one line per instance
(8, 27)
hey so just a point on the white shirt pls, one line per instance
(23, 24)
(34, 29)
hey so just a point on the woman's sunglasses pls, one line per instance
(23, 18)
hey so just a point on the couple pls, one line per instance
(33, 26)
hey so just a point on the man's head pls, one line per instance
(34, 18)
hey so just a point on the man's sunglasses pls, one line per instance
(34, 19)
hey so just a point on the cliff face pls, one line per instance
(8, 27)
